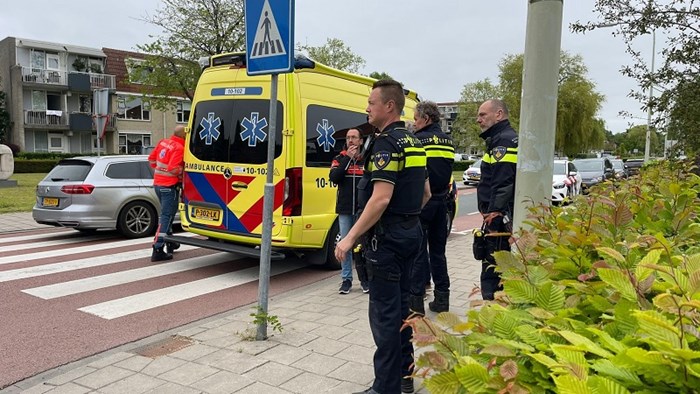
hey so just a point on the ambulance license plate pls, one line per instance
(206, 214)
(50, 202)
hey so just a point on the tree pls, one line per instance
(335, 54)
(679, 21)
(577, 128)
(379, 75)
(4, 116)
(191, 29)
(465, 130)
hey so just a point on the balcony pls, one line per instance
(85, 82)
(76, 81)
(45, 119)
(41, 76)
(81, 121)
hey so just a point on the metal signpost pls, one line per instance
(100, 99)
(269, 36)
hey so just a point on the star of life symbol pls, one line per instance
(253, 129)
(325, 135)
(210, 128)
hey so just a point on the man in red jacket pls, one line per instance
(167, 159)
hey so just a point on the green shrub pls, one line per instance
(602, 296)
(23, 166)
(461, 165)
(46, 155)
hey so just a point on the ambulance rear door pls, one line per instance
(230, 134)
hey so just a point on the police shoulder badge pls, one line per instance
(382, 159)
(498, 152)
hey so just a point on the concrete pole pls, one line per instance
(647, 143)
(538, 108)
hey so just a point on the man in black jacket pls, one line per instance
(496, 190)
(346, 171)
(440, 154)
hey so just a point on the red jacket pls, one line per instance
(167, 159)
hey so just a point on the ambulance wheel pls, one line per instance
(326, 256)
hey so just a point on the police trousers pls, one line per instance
(490, 279)
(431, 258)
(389, 257)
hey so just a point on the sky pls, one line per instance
(434, 48)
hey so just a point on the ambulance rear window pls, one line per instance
(234, 131)
(325, 132)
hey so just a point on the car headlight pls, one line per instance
(597, 179)
(559, 185)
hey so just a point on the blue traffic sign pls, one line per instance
(269, 36)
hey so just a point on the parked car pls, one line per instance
(472, 174)
(107, 192)
(633, 166)
(566, 181)
(594, 171)
(619, 168)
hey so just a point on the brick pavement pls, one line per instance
(325, 345)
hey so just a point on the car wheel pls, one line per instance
(137, 219)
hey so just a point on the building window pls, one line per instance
(137, 70)
(85, 104)
(183, 111)
(133, 108)
(133, 143)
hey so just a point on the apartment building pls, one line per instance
(49, 88)
(448, 114)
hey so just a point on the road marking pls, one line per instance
(36, 245)
(119, 278)
(48, 269)
(39, 236)
(140, 302)
(81, 249)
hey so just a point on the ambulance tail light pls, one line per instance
(292, 192)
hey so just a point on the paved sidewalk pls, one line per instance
(21, 221)
(325, 345)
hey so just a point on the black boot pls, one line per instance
(407, 385)
(160, 255)
(171, 247)
(441, 302)
(415, 305)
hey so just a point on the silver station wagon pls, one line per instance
(107, 192)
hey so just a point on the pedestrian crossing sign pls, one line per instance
(269, 26)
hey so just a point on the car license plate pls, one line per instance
(206, 214)
(50, 202)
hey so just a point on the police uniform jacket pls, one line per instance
(440, 153)
(346, 172)
(167, 159)
(496, 189)
(397, 157)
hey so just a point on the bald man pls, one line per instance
(167, 159)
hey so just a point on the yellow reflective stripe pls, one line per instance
(440, 154)
(410, 149)
(507, 158)
(415, 161)
(392, 166)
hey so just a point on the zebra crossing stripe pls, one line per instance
(36, 245)
(81, 249)
(39, 236)
(118, 278)
(141, 302)
(65, 266)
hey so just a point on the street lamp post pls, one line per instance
(647, 144)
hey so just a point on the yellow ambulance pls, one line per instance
(226, 155)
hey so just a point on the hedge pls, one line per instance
(23, 166)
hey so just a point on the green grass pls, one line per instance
(22, 197)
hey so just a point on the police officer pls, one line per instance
(392, 192)
(496, 190)
(431, 258)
